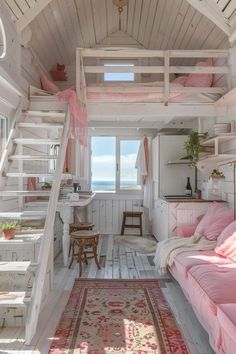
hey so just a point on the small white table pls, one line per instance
(66, 210)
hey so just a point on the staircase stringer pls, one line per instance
(10, 145)
(45, 247)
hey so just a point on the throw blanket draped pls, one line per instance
(168, 249)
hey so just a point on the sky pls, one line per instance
(103, 159)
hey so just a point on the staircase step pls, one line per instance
(38, 103)
(39, 92)
(32, 157)
(22, 238)
(45, 113)
(14, 299)
(26, 141)
(24, 215)
(14, 267)
(38, 193)
(28, 174)
(39, 125)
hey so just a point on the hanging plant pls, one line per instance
(193, 147)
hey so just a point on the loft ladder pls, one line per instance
(50, 120)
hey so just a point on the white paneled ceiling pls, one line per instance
(63, 25)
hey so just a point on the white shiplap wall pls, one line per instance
(106, 213)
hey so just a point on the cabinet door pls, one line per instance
(162, 221)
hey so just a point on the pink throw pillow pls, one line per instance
(180, 80)
(185, 230)
(48, 85)
(226, 242)
(217, 217)
(200, 80)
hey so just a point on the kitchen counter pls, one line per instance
(189, 200)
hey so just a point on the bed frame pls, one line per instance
(166, 107)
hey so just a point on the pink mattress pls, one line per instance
(104, 94)
(186, 260)
(226, 314)
(206, 279)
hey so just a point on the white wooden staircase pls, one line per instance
(26, 280)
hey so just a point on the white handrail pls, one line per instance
(9, 148)
(45, 246)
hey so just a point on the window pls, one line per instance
(3, 134)
(113, 164)
(126, 76)
(3, 42)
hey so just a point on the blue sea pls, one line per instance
(111, 185)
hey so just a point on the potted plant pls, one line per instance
(8, 228)
(193, 147)
(46, 186)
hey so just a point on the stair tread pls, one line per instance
(14, 266)
(32, 157)
(24, 215)
(45, 113)
(22, 239)
(36, 141)
(11, 298)
(38, 193)
(39, 125)
(28, 174)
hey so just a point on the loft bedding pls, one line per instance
(122, 92)
(105, 93)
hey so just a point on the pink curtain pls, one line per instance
(78, 114)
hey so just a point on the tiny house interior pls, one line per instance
(118, 160)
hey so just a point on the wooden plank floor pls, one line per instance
(117, 262)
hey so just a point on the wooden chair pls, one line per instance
(84, 246)
(132, 214)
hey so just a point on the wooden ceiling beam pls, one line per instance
(31, 14)
(212, 13)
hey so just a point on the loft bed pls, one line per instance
(168, 91)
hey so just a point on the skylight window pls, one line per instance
(126, 76)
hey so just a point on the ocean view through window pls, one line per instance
(126, 76)
(113, 164)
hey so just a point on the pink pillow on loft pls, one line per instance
(226, 242)
(200, 80)
(48, 85)
(180, 80)
(217, 217)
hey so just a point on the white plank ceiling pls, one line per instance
(64, 25)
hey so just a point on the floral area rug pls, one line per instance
(117, 316)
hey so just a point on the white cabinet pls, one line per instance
(169, 179)
(162, 220)
(169, 215)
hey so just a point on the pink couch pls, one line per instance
(209, 282)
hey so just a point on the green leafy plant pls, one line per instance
(8, 225)
(46, 186)
(193, 147)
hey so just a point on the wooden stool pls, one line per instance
(81, 226)
(132, 214)
(83, 239)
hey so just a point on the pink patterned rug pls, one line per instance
(117, 316)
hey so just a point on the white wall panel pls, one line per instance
(107, 214)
